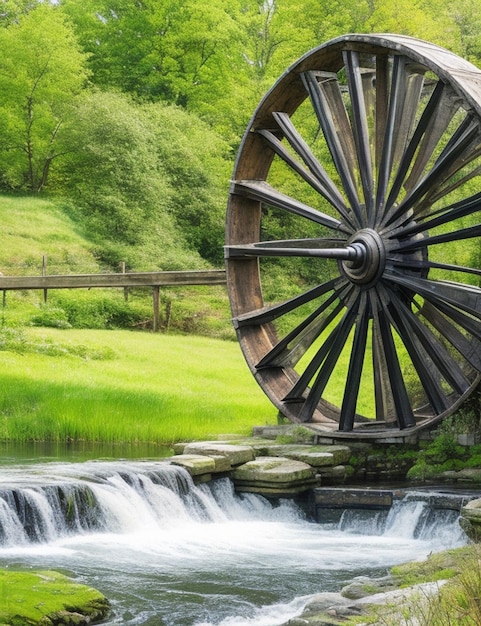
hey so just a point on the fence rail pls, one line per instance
(127, 279)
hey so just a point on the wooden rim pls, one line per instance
(366, 156)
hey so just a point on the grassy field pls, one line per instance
(121, 386)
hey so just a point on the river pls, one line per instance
(169, 553)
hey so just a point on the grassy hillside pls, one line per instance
(33, 227)
(38, 230)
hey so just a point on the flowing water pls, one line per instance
(169, 553)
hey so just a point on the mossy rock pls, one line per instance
(46, 598)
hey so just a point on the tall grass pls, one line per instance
(121, 386)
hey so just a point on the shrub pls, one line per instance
(53, 317)
(100, 310)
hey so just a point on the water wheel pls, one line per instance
(358, 178)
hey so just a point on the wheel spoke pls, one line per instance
(397, 387)
(317, 176)
(263, 192)
(445, 104)
(356, 362)
(429, 112)
(387, 156)
(413, 332)
(406, 86)
(455, 235)
(470, 349)
(430, 382)
(270, 313)
(464, 297)
(455, 182)
(322, 248)
(460, 209)
(295, 344)
(455, 155)
(333, 348)
(333, 119)
(419, 265)
(360, 127)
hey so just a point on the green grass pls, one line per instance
(121, 386)
(34, 227)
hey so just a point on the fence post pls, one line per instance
(156, 302)
(126, 289)
(44, 273)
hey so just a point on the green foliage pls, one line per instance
(94, 310)
(456, 602)
(41, 71)
(148, 182)
(441, 455)
(467, 419)
(54, 317)
(36, 230)
(113, 170)
(196, 162)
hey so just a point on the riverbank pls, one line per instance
(443, 589)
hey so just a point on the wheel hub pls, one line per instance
(368, 266)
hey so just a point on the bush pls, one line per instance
(100, 310)
(52, 317)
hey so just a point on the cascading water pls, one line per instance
(169, 553)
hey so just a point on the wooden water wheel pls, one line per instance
(359, 178)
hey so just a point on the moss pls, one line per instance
(47, 598)
(438, 566)
(298, 434)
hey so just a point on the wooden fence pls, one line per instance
(125, 280)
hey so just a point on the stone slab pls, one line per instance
(274, 470)
(195, 464)
(236, 454)
(317, 456)
(353, 498)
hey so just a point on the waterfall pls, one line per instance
(169, 552)
(44, 503)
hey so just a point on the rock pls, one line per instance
(324, 601)
(317, 456)
(470, 520)
(363, 586)
(469, 475)
(235, 453)
(195, 464)
(332, 475)
(274, 475)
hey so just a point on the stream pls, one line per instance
(169, 553)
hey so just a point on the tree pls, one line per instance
(170, 50)
(197, 163)
(148, 182)
(41, 71)
(467, 17)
